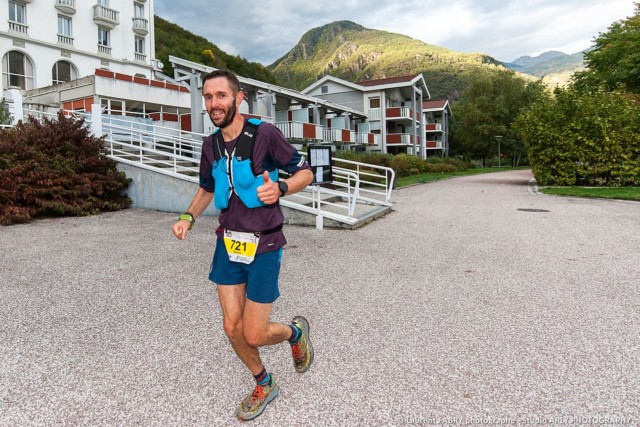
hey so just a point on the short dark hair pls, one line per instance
(231, 78)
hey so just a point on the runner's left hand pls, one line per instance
(269, 192)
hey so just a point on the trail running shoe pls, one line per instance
(254, 404)
(302, 351)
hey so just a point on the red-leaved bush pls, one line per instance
(56, 167)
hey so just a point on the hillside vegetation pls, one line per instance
(352, 52)
(171, 39)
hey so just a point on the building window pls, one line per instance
(104, 3)
(17, 70)
(63, 72)
(374, 102)
(138, 10)
(17, 12)
(324, 89)
(139, 49)
(17, 16)
(65, 34)
(104, 41)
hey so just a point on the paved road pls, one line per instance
(457, 308)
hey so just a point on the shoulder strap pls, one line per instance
(244, 146)
(218, 145)
(246, 142)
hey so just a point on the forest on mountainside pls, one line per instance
(171, 39)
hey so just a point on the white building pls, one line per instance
(44, 42)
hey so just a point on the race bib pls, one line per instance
(241, 247)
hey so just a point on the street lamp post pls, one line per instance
(498, 138)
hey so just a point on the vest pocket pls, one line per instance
(222, 190)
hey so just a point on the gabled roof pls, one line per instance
(387, 81)
(393, 82)
(328, 78)
(438, 105)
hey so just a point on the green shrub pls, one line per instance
(458, 164)
(56, 168)
(440, 168)
(405, 164)
(587, 138)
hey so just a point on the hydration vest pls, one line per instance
(236, 173)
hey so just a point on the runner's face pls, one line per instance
(220, 102)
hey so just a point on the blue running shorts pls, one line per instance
(261, 276)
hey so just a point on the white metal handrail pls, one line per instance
(176, 153)
(378, 180)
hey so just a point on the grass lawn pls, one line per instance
(429, 177)
(622, 193)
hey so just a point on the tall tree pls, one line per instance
(615, 60)
(487, 109)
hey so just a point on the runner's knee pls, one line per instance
(233, 329)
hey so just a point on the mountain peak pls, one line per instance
(530, 61)
(352, 52)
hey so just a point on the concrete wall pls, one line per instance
(155, 191)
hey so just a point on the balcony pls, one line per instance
(299, 130)
(399, 113)
(400, 139)
(140, 57)
(18, 27)
(105, 17)
(66, 6)
(141, 26)
(374, 113)
(434, 127)
(62, 39)
(339, 135)
(104, 49)
(434, 145)
(367, 138)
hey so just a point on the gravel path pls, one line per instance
(458, 308)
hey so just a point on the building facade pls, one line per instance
(436, 119)
(393, 107)
(45, 42)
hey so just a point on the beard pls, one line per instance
(228, 116)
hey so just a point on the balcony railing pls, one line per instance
(18, 27)
(434, 144)
(396, 113)
(141, 57)
(367, 138)
(104, 49)
(339, 135)
(66, 6)
(141, 26)
(65, 39)
(299, 130)
(434, 127)
(399, 139)
(105, 17)
(374, 113)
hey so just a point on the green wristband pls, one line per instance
(188, 217)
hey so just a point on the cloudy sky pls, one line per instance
(265, 30)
